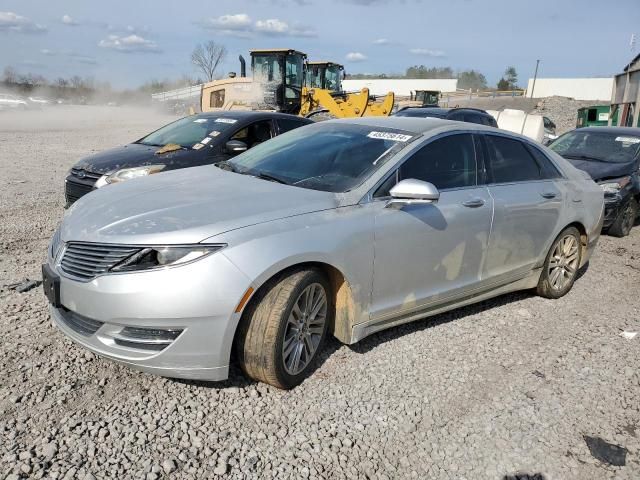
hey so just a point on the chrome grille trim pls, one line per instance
(88, 260)
(81, 173)
(141, 338)
(56, 243)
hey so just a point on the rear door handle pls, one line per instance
(473, 203)
(549, 194)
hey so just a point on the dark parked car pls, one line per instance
(202, 139)
(471, 115)
(611, 155)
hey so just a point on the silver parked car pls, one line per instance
(343, 227)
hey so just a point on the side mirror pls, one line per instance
(413, 192)
(235, 147)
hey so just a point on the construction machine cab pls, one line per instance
(281, 73)
(427, 98)
(325, 75)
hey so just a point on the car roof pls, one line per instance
(620, 130)
(444, 111)
(416, 125)
(250, 115)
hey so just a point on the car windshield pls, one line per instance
(598, 146)
(188, 131)
(329, 156)
(421, 113)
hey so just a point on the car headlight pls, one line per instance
(614, 186)
(128, 174)
(166, 256)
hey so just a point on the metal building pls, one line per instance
(625, 101)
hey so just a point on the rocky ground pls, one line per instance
(509, 387)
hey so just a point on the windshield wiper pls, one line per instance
(226, 165)
(585, 157)
(266, 176)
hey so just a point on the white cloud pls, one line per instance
(67, 20)
(272, 26)
(381, 41)
(129, 44)
(241, 25)
(427, 52)
(356, 57)
(12, 22)
(46, 51)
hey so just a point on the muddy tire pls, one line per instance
(625, 220)
(561, 266)
(283, 329)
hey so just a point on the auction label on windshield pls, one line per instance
(628, 139)
(396, 137)
(225, 120)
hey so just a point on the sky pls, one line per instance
(133, 41)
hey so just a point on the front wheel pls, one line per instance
(625, 220)
(561, 265)
(284, 328)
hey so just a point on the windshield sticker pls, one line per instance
(628, 139)
(396, 137)
(206, 140)
(215, 133)
(225, 120)
(200, 120)
(198, 146)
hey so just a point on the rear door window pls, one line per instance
(510, 161)
(286, 124)
(549, 170)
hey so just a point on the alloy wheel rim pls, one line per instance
(304, 328)
(563, 263)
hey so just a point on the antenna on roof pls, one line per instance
(632, 42)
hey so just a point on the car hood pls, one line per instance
(185, 206)
(127, 156)
(603, 170)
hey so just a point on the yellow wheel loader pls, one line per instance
(279, 83)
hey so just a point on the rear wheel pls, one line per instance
(625, 220)
(561, 265)
(284, 328)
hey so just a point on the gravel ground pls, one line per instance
(509, 386)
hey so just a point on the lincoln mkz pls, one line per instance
(341, 228)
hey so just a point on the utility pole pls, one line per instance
(535, 75)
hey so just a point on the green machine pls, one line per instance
(595, 116)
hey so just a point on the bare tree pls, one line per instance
(207, 56)
(10, 75)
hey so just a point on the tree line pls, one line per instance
(467, 79)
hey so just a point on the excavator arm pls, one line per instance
(344, 105)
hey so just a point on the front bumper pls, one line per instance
(197, 301)
(612, 206)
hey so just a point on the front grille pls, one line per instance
(88, 260)
(55, 244)
(85, 174)
(73, 191)
(78, 323)
(79, 183)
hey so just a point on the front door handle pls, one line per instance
(473, 203)
(549, 194)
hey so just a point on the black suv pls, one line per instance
(471, 115)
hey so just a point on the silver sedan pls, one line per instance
(344, 227)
